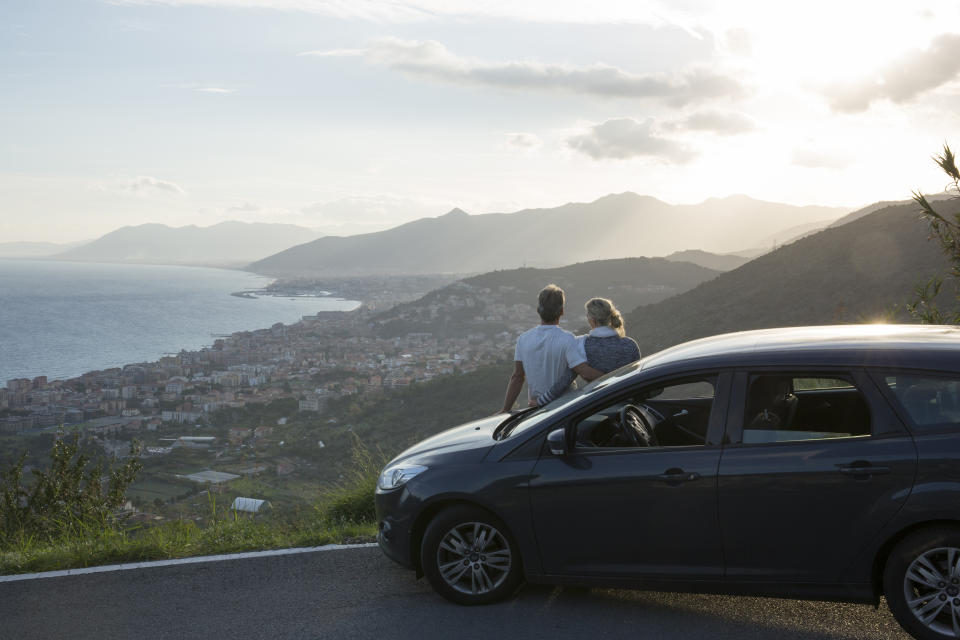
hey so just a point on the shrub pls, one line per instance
(71, 498)
(351, 500)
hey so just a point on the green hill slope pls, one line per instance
(501, 300)
(860, 271)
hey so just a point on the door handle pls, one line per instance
(678, 476)
(862, 470)
(681, 413)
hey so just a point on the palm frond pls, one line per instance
(948, 162)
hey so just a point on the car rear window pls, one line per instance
(789, 408)
(930, 400)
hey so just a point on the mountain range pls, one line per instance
(615, 226)
(34, 249)
(227, 244)
(862, 271)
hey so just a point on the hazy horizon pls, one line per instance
(351, 118)
(387, 224)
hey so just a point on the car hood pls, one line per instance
(472, 440)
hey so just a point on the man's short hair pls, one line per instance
(550, 303)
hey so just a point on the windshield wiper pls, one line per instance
(505, 427)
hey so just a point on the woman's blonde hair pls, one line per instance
(605, 314)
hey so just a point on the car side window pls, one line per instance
(931, 401)
(787, 408)
(675, 414)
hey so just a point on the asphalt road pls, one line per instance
(358, 593)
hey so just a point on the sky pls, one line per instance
(351, 116)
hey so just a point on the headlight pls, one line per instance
(398, 475)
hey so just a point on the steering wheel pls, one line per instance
(636, 428)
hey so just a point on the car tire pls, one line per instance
(469, 556)
(921, 586)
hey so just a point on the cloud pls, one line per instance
(718, 122)
(914, 73)
(738, 42)
(523, 141)
(146, 184)
(814, 158)
(246, 207)
(214, 90)
(622, 138)
(431, 60)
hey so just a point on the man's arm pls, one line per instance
(559, 388)
(514, 387)
(587, 372)
(576, 353)
(562, 385)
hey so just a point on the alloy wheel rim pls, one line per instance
(474, 558)
(931, 587)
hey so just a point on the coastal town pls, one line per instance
(324, 356)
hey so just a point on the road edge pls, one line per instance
(177, 561)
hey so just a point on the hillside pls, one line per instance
(615, 226)
(224, 244)
(883, 204)
(857, 272)
(502, 300)
(716, 261)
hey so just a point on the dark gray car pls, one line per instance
(817, 462)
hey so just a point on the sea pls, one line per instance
(63, 319)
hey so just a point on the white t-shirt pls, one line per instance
(547, 351)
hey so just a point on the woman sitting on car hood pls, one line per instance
(605, 347)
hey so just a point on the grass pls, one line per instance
(150, 489)
(344, 514)
(179, 539)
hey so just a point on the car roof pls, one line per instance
(918, 346)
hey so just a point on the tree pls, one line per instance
(945, 227)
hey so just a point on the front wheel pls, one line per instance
(469, 557)
(922, 583)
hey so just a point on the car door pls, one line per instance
(799, 498)
(633, 512)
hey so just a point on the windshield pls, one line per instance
(537, 416)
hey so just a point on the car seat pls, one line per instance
(771, 403)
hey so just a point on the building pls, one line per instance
(249, 505)
(19, 385)
(311, 403)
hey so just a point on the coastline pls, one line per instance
(62, 319)
(321, 356)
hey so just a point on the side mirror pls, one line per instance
(557, 439)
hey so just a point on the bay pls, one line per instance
(62, 319)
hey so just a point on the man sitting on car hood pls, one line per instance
(545, 353)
